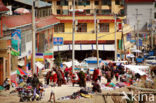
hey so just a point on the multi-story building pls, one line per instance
(3, 50)
(141, 11)
(18, 54)
(85, 37)
(140, 16)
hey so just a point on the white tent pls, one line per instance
(136, 51)
(39, 65)
(137, 69)
(69, 64)
(130, 56)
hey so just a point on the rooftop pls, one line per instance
(3, 8)
(38, 3)
(13, 22)
(138, 1)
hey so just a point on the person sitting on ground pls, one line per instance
(6, 84)
(29, 80)
(96, 86)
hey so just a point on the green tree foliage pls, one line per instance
(58, 60)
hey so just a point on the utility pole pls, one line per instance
(137, 14)
(115, 46)
(33, 38)
(73, 37)
(123, 41)
(151, 28)
(96, 33)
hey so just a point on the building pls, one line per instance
(4, 55)
(140, 15)
(85, 37)
(20, 57)
(143, 10)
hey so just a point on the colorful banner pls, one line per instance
(48, 55)
(16, 40)
(128, 37)
(144, 36)
(39, 57)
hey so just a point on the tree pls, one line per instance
(58, 59)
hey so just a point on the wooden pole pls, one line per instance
(1, 27)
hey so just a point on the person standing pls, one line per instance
(48, 77)
(95, 74)
(88, 75)
(82, 81)
(35, 84)
(99, 74)
(59, 77)
(66, 71)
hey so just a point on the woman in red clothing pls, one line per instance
(63, 81)
(54, 76)
(95, 74)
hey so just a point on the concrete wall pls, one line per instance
(114, 8)
(146, 13)
(67, 35)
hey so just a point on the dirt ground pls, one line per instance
(65, 90)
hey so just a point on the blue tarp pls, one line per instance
(92, 62)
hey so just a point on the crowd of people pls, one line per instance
(58, 76)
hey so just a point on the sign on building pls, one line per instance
(58, 40)
(16, 40)
(48, 55)
(128, 37)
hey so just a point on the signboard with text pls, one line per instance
(58, 40)
(16, 40)
(128, 37)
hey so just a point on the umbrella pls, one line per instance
(136, 51)
(21, 11)
(130, 56)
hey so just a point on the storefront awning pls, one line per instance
(101, 47)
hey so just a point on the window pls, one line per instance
(58, 11)
(97, 11)
(59, 27)
(106, 2)
(84, 2)
(82, 27)
(122, 12)
(65, 12)
(64, 2)
(96, 2)
(58, 3)
(117, 2)
(87, 11)
(122, 2)
(87, 2)
(104, 27)
(106, 12)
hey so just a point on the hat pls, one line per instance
(82, 69)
